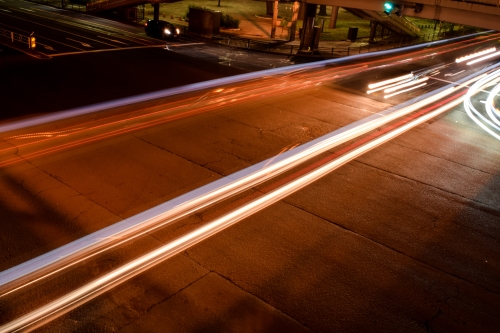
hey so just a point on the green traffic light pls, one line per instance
(388, 6)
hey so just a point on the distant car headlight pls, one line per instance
(178, 31)
(167, 32)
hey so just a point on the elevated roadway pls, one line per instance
(483, 14)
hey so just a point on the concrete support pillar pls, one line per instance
(156, 11)
(275, 19)
(293, 26)
(373, 31)
(307, 35)
(333, 17)
(269, 8)
(322, 10)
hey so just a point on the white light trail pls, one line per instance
(491, 125)
(475, 55)
(411, 83)
(492, 111)
(484, 58)
(387, 86)
(383, 83)
(405, 90)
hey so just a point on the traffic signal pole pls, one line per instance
(156, 11)
(306, 37)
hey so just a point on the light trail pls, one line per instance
(411, 83)
(492, 111)
(130, 228)
(396, 79)
(490, 126)
(484, 58)
(97, 287)
(405, 90)
(387, 86)
(475, 55)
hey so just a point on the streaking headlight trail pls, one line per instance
(389, 81)
(396, 85)
(484, 58)
(411, 83)
(475, 55)
(405, 90)
(491, 124)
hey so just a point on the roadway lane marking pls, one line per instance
(68, 20)
(187, 44)
(119, 49)
(455, 73)
(29, 10)
(47, 47)
(5, 10)
(51, 27)
(44, 38)
(447, 81)
(113, 40)
(83, 44)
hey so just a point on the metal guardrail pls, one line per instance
(14, 37)
(325, 52)
(406, 23)
(96, 5)
(61, 4)
(484, 2)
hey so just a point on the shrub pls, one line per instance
(229, 22)
(186, 16)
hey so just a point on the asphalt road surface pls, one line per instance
(403, 239)
(60, 32)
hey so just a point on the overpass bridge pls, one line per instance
(479, 13)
